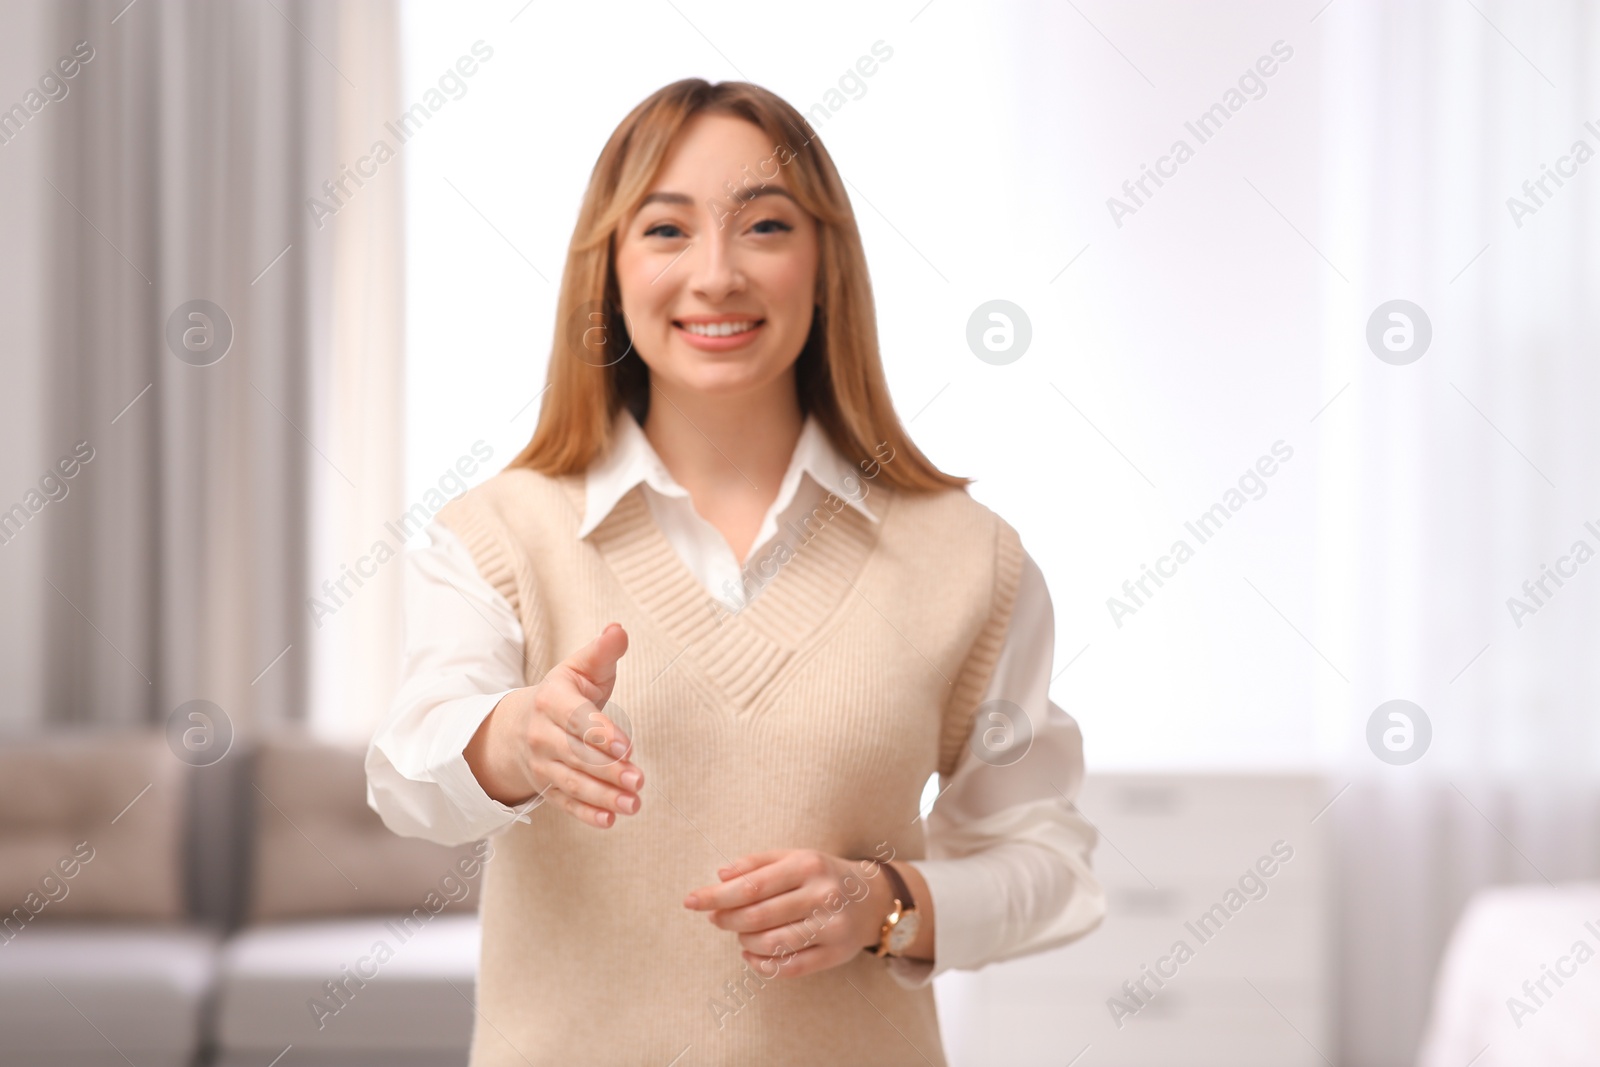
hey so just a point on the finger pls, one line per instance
(795, 964)
(578, 784)
(595, 737)
(589, 735)
(747, 887)
(596, 662)
(584, 813)
(753, 884)
(794, 937)
(745, 864)
(555, 746)
(775, 911)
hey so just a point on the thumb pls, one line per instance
(596, 662)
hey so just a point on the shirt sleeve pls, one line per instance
(463, 653)
(1008, 863)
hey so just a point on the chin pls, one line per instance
(724, 381)
(689, 363)
(719, 376)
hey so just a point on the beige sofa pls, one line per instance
(169, 915)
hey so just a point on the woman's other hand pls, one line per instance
(553, 739)
(797, 911)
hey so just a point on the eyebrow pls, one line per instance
(684, 200)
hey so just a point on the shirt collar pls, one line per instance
(632, 459)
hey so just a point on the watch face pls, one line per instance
(904, 932)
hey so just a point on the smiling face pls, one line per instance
(718, 291)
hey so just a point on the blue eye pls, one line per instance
(660, 228)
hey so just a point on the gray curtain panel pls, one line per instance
(186, 333)
(178, 176)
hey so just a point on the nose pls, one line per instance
(714, 266)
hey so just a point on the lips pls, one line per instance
(717, 328)
(719, 333)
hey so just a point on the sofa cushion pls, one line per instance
(337, 987)
(91, 826)
(86, 994)
(321, 851)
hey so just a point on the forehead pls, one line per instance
(713, 148)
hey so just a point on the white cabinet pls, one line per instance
(1231, 868)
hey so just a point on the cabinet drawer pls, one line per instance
(1204, 1023)
(1156, 831)
(1276, 937)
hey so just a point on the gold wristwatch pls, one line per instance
(900, 928)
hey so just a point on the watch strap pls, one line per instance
(902, 893)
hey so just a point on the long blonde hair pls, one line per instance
(594, 372)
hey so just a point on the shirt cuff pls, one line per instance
(968, 904)
(447, 766)
(959, 889)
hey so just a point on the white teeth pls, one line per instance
(718, 329)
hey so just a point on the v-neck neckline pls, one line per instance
(740, 653)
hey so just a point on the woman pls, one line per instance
(695, 653)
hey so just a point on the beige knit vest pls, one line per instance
(811, 719)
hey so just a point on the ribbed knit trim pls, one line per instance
(488, 546)
(740, 653)
(495, 554)
(975, 673)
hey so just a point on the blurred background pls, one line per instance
(1299, 285)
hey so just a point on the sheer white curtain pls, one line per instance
(1451, 481)
(355, 652)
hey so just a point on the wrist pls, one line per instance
(485, 750)
(900, 918)
(911, 935)
(876, 905)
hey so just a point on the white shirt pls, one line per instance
(1008, 865)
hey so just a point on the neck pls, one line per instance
(741, 442)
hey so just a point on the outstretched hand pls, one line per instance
(552, 740)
